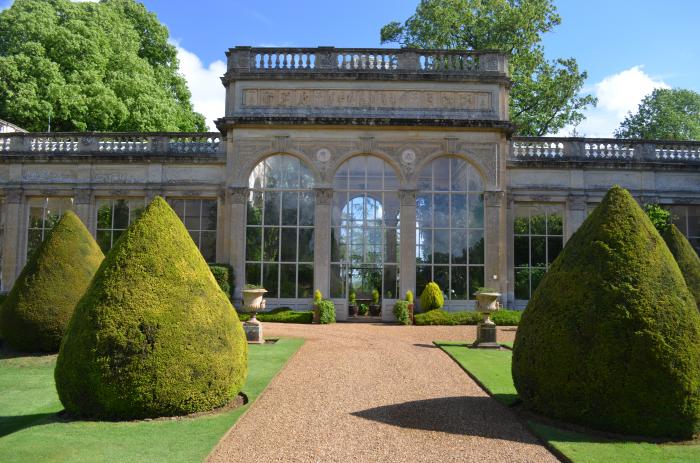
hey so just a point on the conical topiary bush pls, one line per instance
(431, 298)
(36, 312)
(611, 337)
(154, 334)
(687, 259)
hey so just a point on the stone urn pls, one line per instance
(487, 302)
(253, 303)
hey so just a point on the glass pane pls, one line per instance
(337, 246)
(305, 281)
(441, 276)
(288, 280)
(390, 282)
(441, 246)
(441, 174)
(270, 282)
(306, 209)
(476, 211)
(391, 181)
(209, 211)
(253, 247)
(391, 249)
(522, 251)
(290, 205)
(271, 237)
(459, 175)
(442, 210)
(252, 274)
(458, 288)
(476, 247)
(306, 245)
(115, 236)
(121, 214)
(476, 184)
(255, 205)
(289, 245)
(693, 220)
(476, 280)
(375, 173)
(104, 240)
(340, 181)
(555, 225)
(522, 283)
(195, 237)
(36, 217)
(272, 208)
(193, 214)
(459, 211)
(207, 245)
(340, 208)
(424, 210)
(521, 221)
(423, 277)
(424, 246)
(104, 215)
(357, 173)
(538, 221)
(537, 251)
(33, 241)
(392, 209)
(555, 245)
(425, 179)
(178, 206)
(337, 282)
(136, 207)
(459, 247)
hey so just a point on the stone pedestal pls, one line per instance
(486, 335)
(254, 331)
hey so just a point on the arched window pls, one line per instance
(279, 231)
(450, 228)
(365, 229)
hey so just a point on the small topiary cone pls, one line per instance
(154, 334)
(687, 259)
(36, 312)
(611, 337)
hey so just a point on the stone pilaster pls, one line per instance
(236, 199)
(495, 261)
(322, 240)
(407, 266)
(82, 206)
(575, 214)
(14, 227)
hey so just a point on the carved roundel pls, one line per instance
(323, 155)
(408, 156)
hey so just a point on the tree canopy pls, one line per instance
(103, 66)
(545, 94)
(665, 114)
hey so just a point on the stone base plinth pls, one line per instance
(254, 332)
(486, 336)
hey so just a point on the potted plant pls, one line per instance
(352, 303)
(318, 297)
(363, 309)
(409, 299)
(374, 308)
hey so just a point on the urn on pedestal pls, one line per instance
(487, 302)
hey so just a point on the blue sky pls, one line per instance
(628, 47)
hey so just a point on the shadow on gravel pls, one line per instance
(471, 416)
(427, 346)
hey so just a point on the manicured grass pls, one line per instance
(30, 430)
(442, 317)
(491, 369)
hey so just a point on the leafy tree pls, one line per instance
(659, 216)
(665, 114)
(545, 94)
(103, 66)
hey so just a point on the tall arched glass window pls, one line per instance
(450, 228)
(279, 231)
(365, 229)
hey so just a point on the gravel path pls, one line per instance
(376, 393)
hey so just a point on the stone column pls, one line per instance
(575, 214)
(495, 235)
(12, 238)
(407, 257)
(236, 199)
(82, 206)
(322, 241)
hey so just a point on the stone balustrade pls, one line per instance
(372, 60)
(93, 143)
(552, 149)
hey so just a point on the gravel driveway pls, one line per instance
(376, 393)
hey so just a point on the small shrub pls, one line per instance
(409, 296)
(326, 310)
(352, 298)
(223, 274)
(434, 317)
(659, 216)
(431, 298)
(281, 315)
(375, 296)
(317, 296)
(363, 309)
(442, 317)
(401, 312)
(686, 258)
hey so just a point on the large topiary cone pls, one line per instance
(687, 259)
(36, 312)
(611, 336)
(154, 334)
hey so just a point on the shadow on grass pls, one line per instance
(12, 424)
(469, 416)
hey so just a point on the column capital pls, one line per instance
(238, 194)
(324, 196)
(494, 198)
(14, 196)
(577, 202)
(407, 197)
(82, 196)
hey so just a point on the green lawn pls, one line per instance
(31, 431)
(491, 369)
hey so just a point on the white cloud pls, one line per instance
(208, 94)
(617, 95)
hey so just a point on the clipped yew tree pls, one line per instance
(687, 259)
(431, 298)
(36, 312)
(154, 335)
(611, 337)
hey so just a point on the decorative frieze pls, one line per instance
(494, 198)
(407, 197)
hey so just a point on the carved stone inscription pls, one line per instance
(359, 98)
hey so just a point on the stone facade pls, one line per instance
(406, 110)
